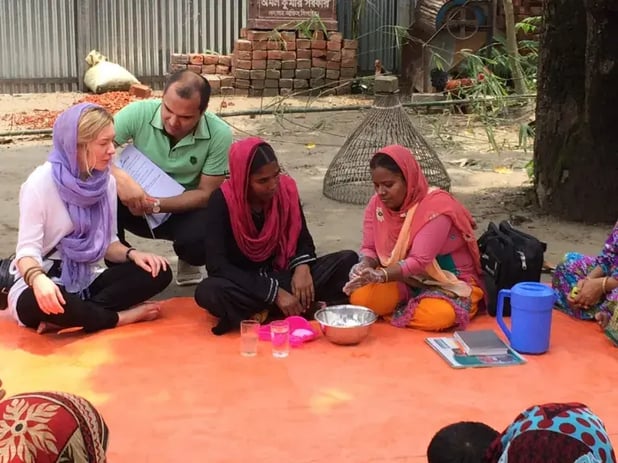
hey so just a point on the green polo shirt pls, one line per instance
(204, 151)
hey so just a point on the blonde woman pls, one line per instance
(67, 226)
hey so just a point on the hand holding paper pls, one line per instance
(153, 181)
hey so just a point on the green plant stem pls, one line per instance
(511, 47)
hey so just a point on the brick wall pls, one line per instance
(266, 63)
(216, 68)
(269, 63)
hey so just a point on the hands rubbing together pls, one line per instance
(363, 274)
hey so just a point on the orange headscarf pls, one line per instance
(393, 234)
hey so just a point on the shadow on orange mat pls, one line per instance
(171, 391)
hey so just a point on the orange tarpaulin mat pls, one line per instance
(170, 391)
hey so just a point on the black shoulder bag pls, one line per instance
(508, 256)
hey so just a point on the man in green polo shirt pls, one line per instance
(191, 145)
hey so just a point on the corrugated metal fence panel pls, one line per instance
(141, 34)
(37, 46)
(376, 34)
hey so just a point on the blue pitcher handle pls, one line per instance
(501, 295)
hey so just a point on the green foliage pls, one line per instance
(314, 23)
(490, 70)
(305, 28)
(529, 25)
(400, 33)
(495, 59)
(438, 62)
(530, 169)
(526, 134)
(358, 11)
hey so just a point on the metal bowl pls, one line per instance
(345, 324)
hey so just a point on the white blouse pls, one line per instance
(43, 221)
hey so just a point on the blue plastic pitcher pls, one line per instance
(531, 310)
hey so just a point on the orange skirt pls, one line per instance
(430, 314)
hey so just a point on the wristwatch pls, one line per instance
(156, 207)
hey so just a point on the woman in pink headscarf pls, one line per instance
(419, 265)
(260, 256)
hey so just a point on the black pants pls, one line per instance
(186, 230)
(231, 304)
(118, 288)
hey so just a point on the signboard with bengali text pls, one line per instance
(285, 14)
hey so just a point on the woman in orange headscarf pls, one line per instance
(419, 263)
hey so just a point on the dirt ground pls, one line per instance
(494, 186)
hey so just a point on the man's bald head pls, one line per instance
(188, 85)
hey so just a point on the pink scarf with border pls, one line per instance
(283, 220)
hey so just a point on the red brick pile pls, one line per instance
(215, 68)
(270, 63)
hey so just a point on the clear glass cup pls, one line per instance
(280, 338)
(249, 335)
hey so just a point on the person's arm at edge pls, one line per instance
(193, 199)
(129, 191)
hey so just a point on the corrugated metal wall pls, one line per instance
(377, 37)
(37, 46)
(141, 34)
(43, 43)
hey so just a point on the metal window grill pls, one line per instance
(348, 178)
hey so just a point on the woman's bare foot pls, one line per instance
(602, 319)
(145, 312)
(46, 327)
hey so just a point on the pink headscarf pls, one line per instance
(427, 203)
(283, 220)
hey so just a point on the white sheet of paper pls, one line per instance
(151, 177)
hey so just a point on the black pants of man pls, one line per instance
(232, 304)
(186, 230)
(118, 288)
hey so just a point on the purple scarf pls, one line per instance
(86, 202)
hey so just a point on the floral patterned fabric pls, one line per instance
(51, 427)
(553, 433)
(575, 267)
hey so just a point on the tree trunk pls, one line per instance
(512, 49)
(576, 146)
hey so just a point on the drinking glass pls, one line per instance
(280, 338)
(249, 333)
